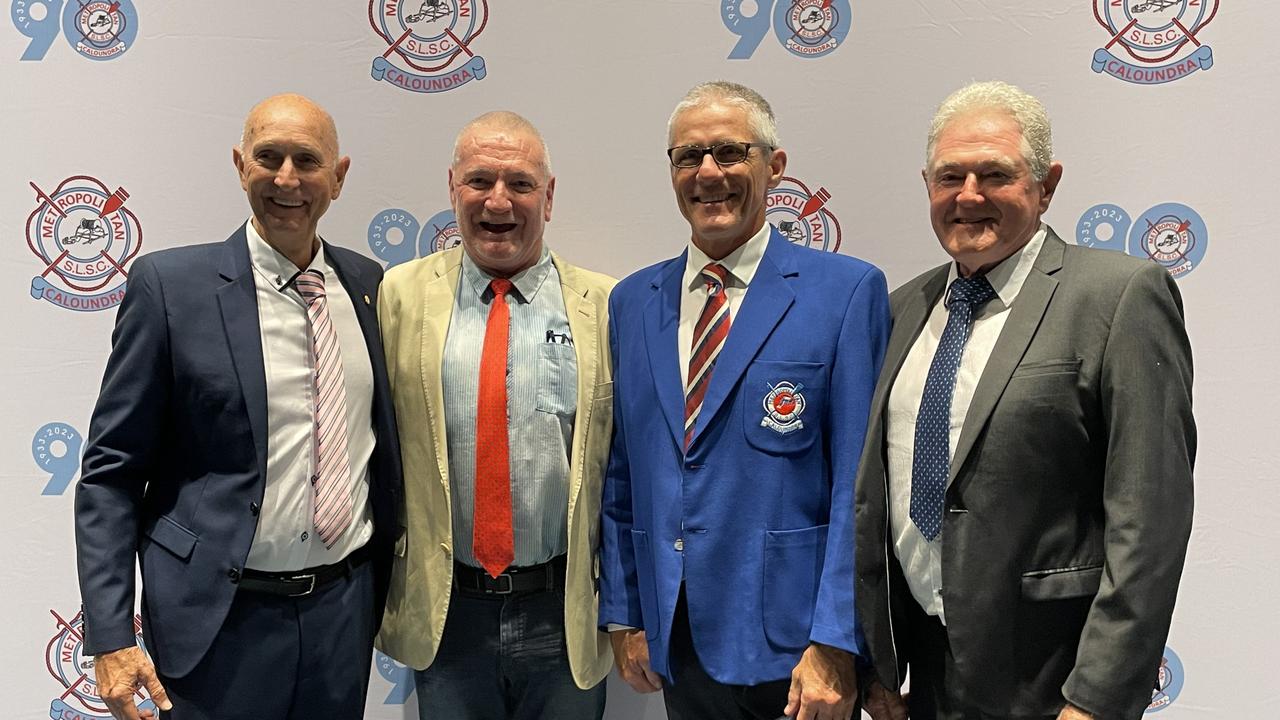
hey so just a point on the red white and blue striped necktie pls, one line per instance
(332, 478)
(708, 338)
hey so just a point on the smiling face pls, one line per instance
(724, 205)
(290, 169)
(501, 193)
(984, 203)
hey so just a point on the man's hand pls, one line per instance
(631, 653)
(119, 674)
(1071, 712)
(885, 704)
(824, 685)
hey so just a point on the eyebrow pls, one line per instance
(997, 163)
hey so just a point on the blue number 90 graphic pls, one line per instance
(805, 28)
(97, 29)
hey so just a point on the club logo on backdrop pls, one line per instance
(96, 29)
(1170, 234)
(84, 238)
(396, 236)
(806, 28)
(429, 42)
(1153, 41)
(399, 675)
(73, 669)
(802, 216)
(56, 449)
(1168, 682)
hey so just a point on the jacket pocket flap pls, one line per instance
(1048, 367)
(172, 537)
(1061, 584)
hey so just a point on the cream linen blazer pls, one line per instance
(414, 306)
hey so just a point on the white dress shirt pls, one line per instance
(922, 560)
(741, 264)
(286, 538)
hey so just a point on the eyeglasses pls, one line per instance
(724, 153)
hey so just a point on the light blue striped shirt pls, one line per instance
(542, 398)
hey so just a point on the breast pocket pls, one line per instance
(557, 379)
(784, 403)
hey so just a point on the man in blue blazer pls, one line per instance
(743, 375)
(264, 530)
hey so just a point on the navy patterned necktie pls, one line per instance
(931, 460)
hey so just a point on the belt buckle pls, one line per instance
(311, 586)
(497, 591)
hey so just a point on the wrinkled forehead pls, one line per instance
(291, 124)
(500, 149)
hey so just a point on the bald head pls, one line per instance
(295, 107)
(503, 122)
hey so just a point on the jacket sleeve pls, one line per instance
(619, 589)
(128, 423)
(1145, 394)
(864, 335)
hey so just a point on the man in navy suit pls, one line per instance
(743, 372)
(243, 447)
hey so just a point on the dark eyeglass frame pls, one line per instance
(711, 150)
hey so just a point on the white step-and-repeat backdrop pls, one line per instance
(119, 118)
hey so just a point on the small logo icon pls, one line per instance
(783, 405)
(1168, 682)
(802, 216)
(400, 677)
(1153, 41)
(1170, 234)
(431, 37)
(56, 449)
(393, 233)
(84, 237)
(98, 30)
(67, 663)
(806, 28)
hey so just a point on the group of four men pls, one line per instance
(733, 473)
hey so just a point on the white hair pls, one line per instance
(759, 115)
(503, 120)
(1024, 108)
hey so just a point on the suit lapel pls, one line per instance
(361, 298)
(238, 303)
(661, 323)
(907, 324)
(1024, 320)
(438, 293)
(766, 302)
(584, 320)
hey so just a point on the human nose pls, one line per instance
(498, 199)
(970, 192)
(287, 175)
(709, 169)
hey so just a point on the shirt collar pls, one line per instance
(742, 263)
(526, 281)
(1008, 276)
(274, 266)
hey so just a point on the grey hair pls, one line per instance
(1024, 108)
(502, 120)
(759, 115)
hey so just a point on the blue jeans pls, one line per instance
(504, 657)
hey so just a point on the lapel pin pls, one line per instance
(366, 299)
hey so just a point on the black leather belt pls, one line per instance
(534, 578)
(302, 582)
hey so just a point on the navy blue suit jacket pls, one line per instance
(756, 519)
(175, 464)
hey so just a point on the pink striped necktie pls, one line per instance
(708, 338)
(332, 478)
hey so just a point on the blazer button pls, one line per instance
(253, 509)
(678, 545)
(234, 574)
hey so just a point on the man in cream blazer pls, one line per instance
(510, 632)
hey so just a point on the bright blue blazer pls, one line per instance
(756, 519)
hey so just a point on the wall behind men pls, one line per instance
(149, 98)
